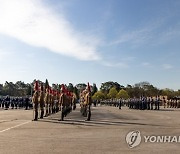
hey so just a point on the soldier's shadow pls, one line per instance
(93, 122)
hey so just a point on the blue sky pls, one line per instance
(80, 41)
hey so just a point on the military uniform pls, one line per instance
(46, 101)
(35, 100)
(41, 102)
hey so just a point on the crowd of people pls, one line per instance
(11, 102)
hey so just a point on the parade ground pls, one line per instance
(105, 133)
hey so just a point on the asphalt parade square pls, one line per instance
(105, 133)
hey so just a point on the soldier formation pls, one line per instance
(144, 103)
(113, 102)
(10, 102)
(51, 101)
(172, 103)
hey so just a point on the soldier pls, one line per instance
(53, 101)
(46, 101)
(159, 101)
(63, 102)
(57, 102)
(26, 102)
(50, 100)
(41, 101)
(120, 103)
(35, 100)
(74, 101)
(86, 105)
(152, 102)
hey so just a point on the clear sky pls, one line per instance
(94, 41)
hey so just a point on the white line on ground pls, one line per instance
(14, 126)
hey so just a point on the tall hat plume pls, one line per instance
(41, 88)
(63, 89)
(36, 86)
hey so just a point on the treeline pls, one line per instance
(23, 89)
(107, 89)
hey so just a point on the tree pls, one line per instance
(1, 89)
(94, 89)
(106, 86)
(112, 93)
(81, 86)
(98, 95)
(70, 87)
(46, 84)
(168, 92)
(76, 92)
(122, 94)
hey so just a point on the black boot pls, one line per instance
(36, 116)
(42, 114)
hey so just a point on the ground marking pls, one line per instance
(14, 126)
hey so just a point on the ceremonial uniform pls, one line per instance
(46, 101)
(35, 100)
(41, 101)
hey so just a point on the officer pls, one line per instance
(35, 100)
(41, 101)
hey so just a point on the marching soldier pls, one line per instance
(50, 100)
(63, 102)
(86, 104)
(74, 101)
(46, 101)
(53, 101)
(41, 101)
(57, 102)
(35, 100)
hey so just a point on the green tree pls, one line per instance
(168, 92)
(106, 86)
(98, 95)
(122, 94)
(112, 93)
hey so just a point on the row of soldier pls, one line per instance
(172, 103)
(51, 101)
(15, 102)
(113, 102)
(143, 103)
